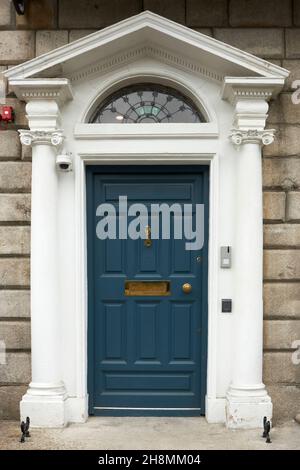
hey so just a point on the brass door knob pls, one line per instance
(187, 288)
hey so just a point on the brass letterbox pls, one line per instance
(147, 288)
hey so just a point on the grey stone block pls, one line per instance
(280, 334)
(292, 43)
(257, 13)
(10, 146)
(281, 264)
(14, 303)
(10, 397)
(286, 143)
(281, 173)
(14, 240)
(279, 368)
(282, 300)
(206, 13)
(15, 334)
(16, 46)
(282, 235)
(5, 13)
(286, 399)
(174, 10)
(76, 34)
(266, 43)
(17, 369)
(15, 176)
(284, 110)
(48, 40)
(14, 207)
(95, 13)
(293, 207)
(14, 272)
(274, 206)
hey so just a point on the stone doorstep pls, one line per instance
(111, 433)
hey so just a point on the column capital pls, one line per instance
(249, 96)
(45, 98)
(42, 137)
(255, 136)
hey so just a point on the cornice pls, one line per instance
(148, 24)
(151, 51)
(56, 89)
(262, 137)
(30, 138)
(250, 88)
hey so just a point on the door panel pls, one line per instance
(147, 354)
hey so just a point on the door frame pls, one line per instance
(132, 148)
(202, 364)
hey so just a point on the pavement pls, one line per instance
(146, 433)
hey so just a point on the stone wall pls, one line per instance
(269, 29)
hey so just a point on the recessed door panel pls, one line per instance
(147, 334)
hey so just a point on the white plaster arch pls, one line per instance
(140, 73)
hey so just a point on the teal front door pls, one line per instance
(147, 298)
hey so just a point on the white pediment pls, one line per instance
(151, 35)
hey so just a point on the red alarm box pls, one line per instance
(7, 114)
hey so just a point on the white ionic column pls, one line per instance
(247, 398)
(44, 401)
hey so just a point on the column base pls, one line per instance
(247, 406)
(45, 405)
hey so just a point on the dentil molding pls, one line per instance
(237, 89)
(150, 51)
(42, 89)
(30, 138)
(254, 136)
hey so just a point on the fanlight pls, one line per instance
(144, 103)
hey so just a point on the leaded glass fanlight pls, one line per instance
(144, 103)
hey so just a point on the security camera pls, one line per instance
(64, 162)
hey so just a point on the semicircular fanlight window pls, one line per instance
(144, 103)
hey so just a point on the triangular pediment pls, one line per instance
(147, 34)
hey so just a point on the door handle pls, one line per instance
(186, 288)
(148, 241)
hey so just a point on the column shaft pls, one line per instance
(247, 398)
(45, 331)
(247, 370)
(44, 401)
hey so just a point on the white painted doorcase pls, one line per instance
(231, 89)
